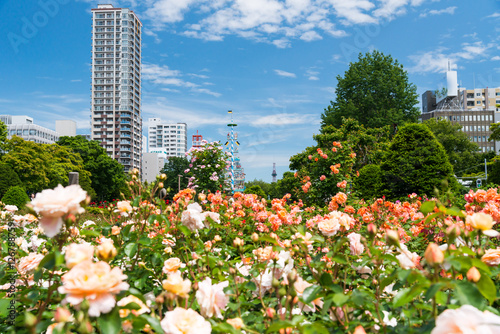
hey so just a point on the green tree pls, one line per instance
(415, 163)
(42, 166)
(375, 91)
(494, 173)
(3, 135)
(369, 184)
(8, 178)
(288, 184)
(268, 188)
(174, 167)
(106, 174)
(257, 190)
(16, 196)
(462, 153)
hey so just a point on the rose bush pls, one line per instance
(241, 264)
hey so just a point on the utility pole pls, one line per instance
(179, 182)
(485, 171)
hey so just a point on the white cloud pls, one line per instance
(284, 119)
(312, 75)
(163, 75)
(448, 10)
(496, 58)
(168, 11)
(285, 74)
(437, 60)
(493, 15)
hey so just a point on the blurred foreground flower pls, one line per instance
(467, 319)
(95, 282)
(185, 321)
(53, 204)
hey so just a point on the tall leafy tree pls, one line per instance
(107, 175)
(3, 135)
(8, 178)
(375, 91)
(462, 153)
(174, 167)
(42, 166)
(415, 163)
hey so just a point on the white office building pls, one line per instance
(152, 164)
(167, 138)
(66, 128)
(116, 83)
(22, 126)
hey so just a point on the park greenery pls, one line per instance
(369, 231)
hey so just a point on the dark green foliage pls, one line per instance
(415, 163)
(3, 135)
(106, 174)
(174, 167)
(376, 92)
(494, 173)
(16, 196)
(462, 153)
(288, 184)
(268, 188)
(369, 183)
(8, 178)
(257, 190)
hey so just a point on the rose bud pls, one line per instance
(433, 254)
(473, 275)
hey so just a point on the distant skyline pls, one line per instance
(274, 63)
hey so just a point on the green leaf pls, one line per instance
(153, 322)
(433, 289)
(110, 323)
(130, 249)
(427, 207)
(340, 299)
(404, 296)
(310, 293)
(315, 328)
(468, 293)
(487, 288)
(268, 239)
(90, 233)
(187, 232)
(277, 325)
(49, 261)
(224, 327)
(145, 241)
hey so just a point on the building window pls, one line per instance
(478, 94)
(478, 102)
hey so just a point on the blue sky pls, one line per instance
(273, 62)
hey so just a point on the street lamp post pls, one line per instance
(179, 182)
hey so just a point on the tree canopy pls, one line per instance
(375, 91)
(174, 167)
(106, 174)
(42, 166)
(462, 153)
(415, 163)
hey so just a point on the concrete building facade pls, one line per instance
(167, 138)
(116, 84)
(23, 126)
(66, 128)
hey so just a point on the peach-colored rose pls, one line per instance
(407, 259)
(53, 204)
(235, 322)
(172, 265)
(264, 254)
(11, 208)
(359, 330)
(115, 230)
(124, 208)
(176, 285)
(306, 239)
(473, 274)
(466, 319)
(132, 299)
(491, 257)
(95, 282)
(480, 196)
(182, 321)
(106, 250)
(212, 215)
(212, 298)
(329, 226)
(433, 254)
(76, 253)
(29, 263)
(355, 246)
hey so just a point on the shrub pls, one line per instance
(8, 178)
(257, 190)
(415, 163)
(369, 183)
(16, 196)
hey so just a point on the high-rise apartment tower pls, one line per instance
(116, 83)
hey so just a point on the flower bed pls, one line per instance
(241, 264)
